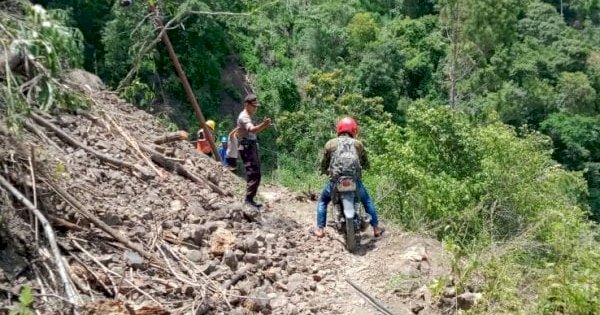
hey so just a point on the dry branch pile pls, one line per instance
(98, 218)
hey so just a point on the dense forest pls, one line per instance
(481, 117)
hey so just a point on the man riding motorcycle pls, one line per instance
(347, 130)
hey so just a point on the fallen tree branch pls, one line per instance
(72, 141)
(99, 223)
(108, 271)
(72, 295)
(133, 144)
(64, 223)
(170, 165)
(38, 132)
(171, 137)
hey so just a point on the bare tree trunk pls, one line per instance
(171, 137)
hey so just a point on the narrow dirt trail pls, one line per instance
(394, 270)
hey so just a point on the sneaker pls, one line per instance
(253, 203)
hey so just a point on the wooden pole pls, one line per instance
(184, 81)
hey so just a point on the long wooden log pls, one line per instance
(72, 141)
(171, 137)
(72, 295)
(173, 166)
(99, 223)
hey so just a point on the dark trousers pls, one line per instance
(249, 155)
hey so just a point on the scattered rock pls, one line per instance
(230, 259)
(195, 255)
(199, 233)
(208, 268)
(176, 205)
(295, 282)
(251, 245)
(466, 300)
(251, 258)
(11, 263)
(111, 219)
(258, 302)
(221, 240)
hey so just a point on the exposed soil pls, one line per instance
(195, 248)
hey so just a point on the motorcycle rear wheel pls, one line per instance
(350, 236)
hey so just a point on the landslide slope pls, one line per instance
(159, 229)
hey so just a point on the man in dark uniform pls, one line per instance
(248, 146)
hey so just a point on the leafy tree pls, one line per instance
(126, 41)
(89, 16)
(541, 22)
(576, 95)
(410, 8)
(422, 44)
(381, 73)
(417, 8)
(577, 142)
(492, 24)
(362, 30)
(48, 48)
(330, 95)
(528, 104)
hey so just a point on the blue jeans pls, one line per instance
(363, 195)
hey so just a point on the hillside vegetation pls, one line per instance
(481, 117)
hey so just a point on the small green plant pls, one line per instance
(401, 282)
(24, 307)
(60, 171)
(166, 122)
(462, 265)
(138, 93)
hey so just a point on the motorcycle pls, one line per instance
(349, 217)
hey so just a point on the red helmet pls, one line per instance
(347, 125)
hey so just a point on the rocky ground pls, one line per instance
(170, 236)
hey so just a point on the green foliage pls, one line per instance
(448, 171)
(298, 175)
(577, 138)
(524, 105)
(126, 43)
(380, 74)
(491, 24)
(422, 47)
(89, 16)
(329, 96)
(44, 36)
(50, 48)
(24, 307)
(138, 93)
(542, 23)
(577, 142)
(576, 95)
(362, 30)
(572, 283)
